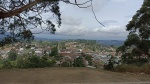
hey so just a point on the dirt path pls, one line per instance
(66, 75)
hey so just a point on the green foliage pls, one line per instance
(7, 64)
(133, 68)
(121, 48)
(110, 64)
(22, 63)
(65, 64)
(78, 62)
(137, 44)
(127, 58)
(89, 59)
(54, 51)
(126, 68)
(12, 55)
(133, 39)
(20, 24)
(1, 63)
(34, 62)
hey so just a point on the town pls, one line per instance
(65, 52)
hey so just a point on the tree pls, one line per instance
(54, 51)
(19, 16)
(138, 41)
(89, 59)
(78, 62)
(12, 55)
(110, 64)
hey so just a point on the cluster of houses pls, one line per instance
(69, 53)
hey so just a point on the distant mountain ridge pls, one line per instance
(110, 42)
(103, 42)
(46, 39)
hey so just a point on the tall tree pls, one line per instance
(138, 41)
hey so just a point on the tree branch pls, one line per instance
(18, 11)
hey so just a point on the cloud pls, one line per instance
(113, 29)
(109, 22)
(81, 31)
(118, 0)
(73, 28)
(80, 23)
(68, 20)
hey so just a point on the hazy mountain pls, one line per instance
(46, 39)
(103, 42)
(110, 42)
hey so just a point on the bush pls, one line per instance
(12, 55)
(7, 64)
(145, 68)
(1, 63)
(110, 64)
(34, 62)
(22, 63)
(133, 68)
(65, 64)
(126, 68)
(78, 62)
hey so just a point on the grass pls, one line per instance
(133, 68)
(1, 64)
(58, 75)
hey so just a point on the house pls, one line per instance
(38, 53)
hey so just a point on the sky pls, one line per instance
(79, 23)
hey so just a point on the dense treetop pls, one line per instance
(137, 45)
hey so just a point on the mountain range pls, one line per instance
(115, 43)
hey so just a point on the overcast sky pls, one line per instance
(80, 23)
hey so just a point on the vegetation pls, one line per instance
(12, 55)
(13, 17)
(54, 51)
(34, 62)
(89, 59)
(78, 62)
(133, 68)
(136, 49)
(110, 65)
(31, 61)
(7, 64)
(137, 46)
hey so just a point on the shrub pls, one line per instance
(35, 62)
(1, 63)
(12, 55)
(110, 64)
(7, 64)
(133, 68)
(145, 68)
(65, 64)
(22, 63)
(78, 62)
